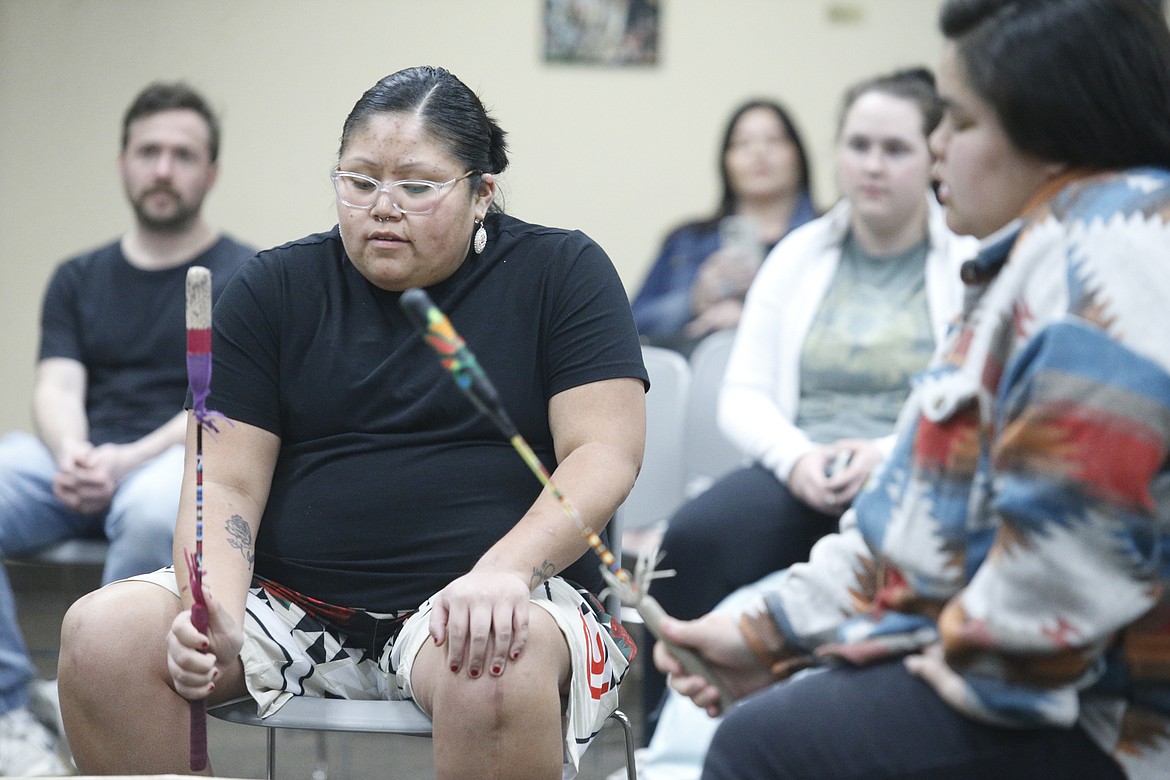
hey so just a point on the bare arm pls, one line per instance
(121, 459)
(88, 475)
(85, 480)
(599, 433)
(237, 473)
(59, 405)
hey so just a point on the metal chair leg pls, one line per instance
(271, 754)
(624, 721)
(321, 771)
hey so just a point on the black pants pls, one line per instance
(881, 723)
(743, 527)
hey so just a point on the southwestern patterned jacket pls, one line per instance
(1023, 518)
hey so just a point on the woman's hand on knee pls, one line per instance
(482, 617)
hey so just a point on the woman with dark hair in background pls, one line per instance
(697, 284)
(1015, 543)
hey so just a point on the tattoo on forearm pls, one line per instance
(542, 573)
(240, 537)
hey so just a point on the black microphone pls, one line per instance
(455, 356)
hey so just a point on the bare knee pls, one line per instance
(542, 672)
(505, 726)
(120, 710)
(119, 627)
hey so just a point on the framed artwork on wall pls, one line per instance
(611, 33)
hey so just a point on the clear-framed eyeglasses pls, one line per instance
(410, 196)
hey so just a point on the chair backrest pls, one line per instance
(659, 489)
(707, 453)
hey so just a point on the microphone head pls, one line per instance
(416, 303)
(454, 356)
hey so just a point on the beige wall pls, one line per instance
(620, 154)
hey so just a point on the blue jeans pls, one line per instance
(881, 722)
(140, 525)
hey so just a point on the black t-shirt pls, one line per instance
(389, 484)
(128, 327)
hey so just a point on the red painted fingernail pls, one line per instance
(496, 669)
(455, 668)
(204, 646)
(474, 672)
(515, 654)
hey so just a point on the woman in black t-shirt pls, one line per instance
(355, 480)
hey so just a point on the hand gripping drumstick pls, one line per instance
(199, 377)
(461, 364)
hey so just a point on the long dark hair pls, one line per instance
(449, 111)
(727, 201)
(1084, 82)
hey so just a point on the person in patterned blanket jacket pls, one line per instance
(996, 605)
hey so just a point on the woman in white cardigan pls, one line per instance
(843, 312)
(761, 392)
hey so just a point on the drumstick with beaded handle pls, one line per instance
(199, 378)
(461, 364)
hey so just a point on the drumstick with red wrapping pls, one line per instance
(199, 378)
(461, 364)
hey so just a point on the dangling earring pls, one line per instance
(480, 237)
